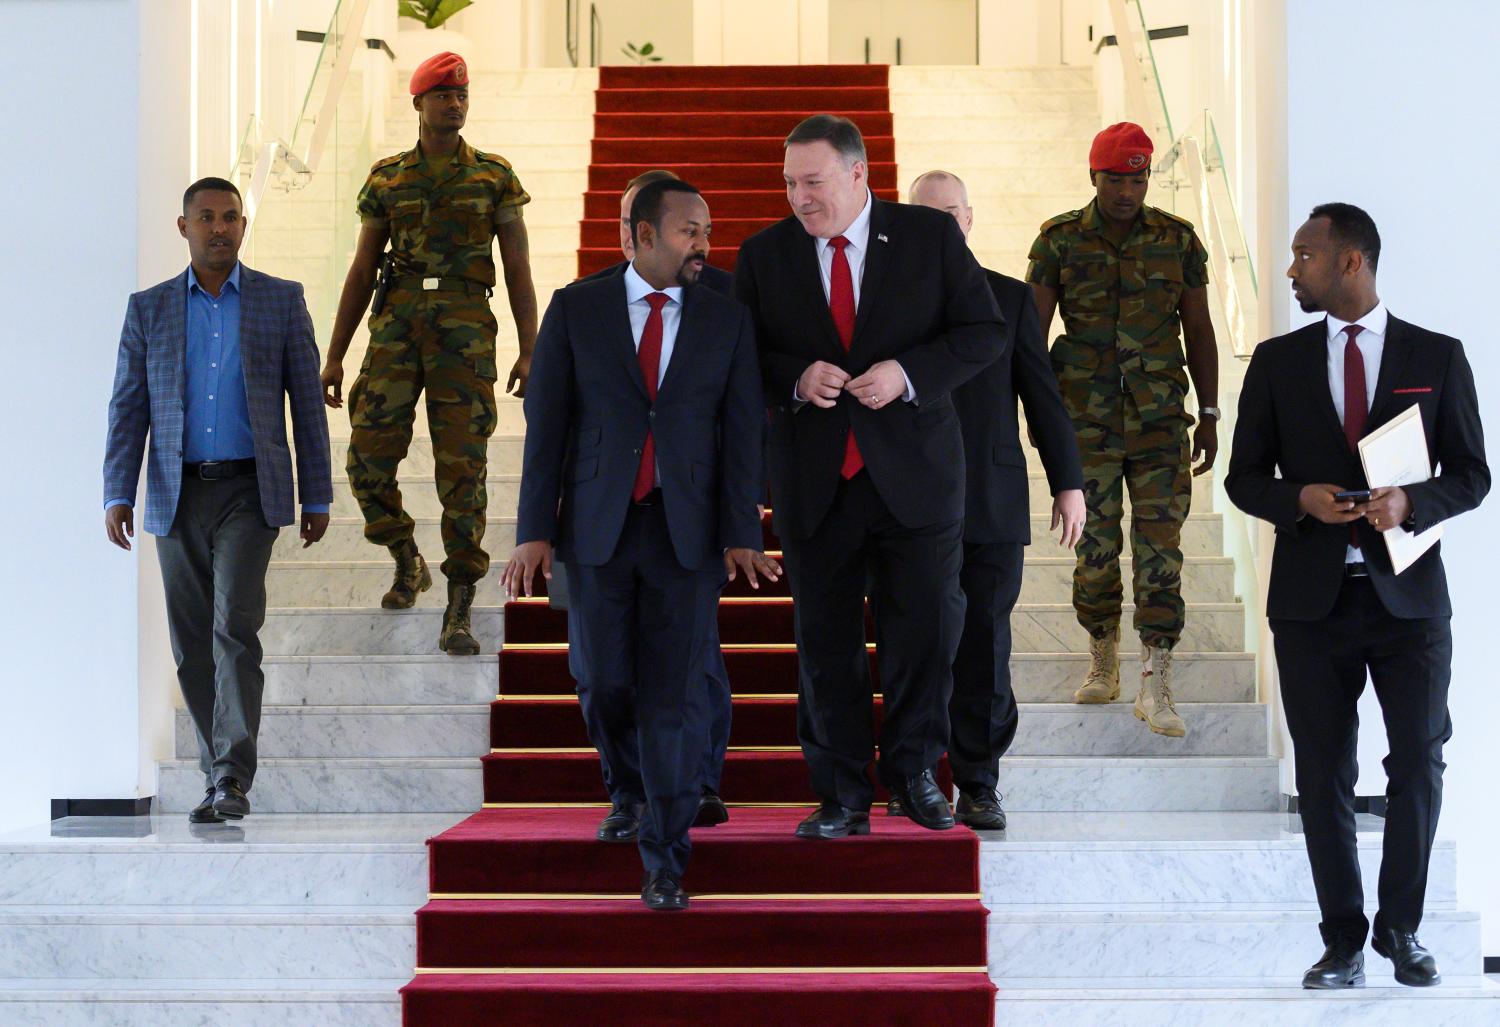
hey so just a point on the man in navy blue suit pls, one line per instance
(208, 361)
(621, 825)
(642, 469)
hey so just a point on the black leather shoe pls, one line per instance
(834, 821)
(203, 813)
(1415, 966)
(893, 808)
(662, 890)
(924, 802)
(979, 807)
(1342, 966)
(229, 799)
(623, 824)
(711, 811)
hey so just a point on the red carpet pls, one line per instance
(532, 921)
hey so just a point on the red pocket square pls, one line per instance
(1403, 392)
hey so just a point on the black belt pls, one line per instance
(652, 498)
(419, 284)
(1356, 570)
(213, 470)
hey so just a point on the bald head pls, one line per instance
(634, 186)
(945, 191)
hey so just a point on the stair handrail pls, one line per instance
(295, 162)
(1194, 166)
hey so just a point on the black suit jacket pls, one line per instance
(998, 506)
(1287, 420)
(923, 303)
(587, 415)
(715, 278)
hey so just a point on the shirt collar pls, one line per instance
(637, 288)
(1374, 323)
(858, 232)
(233, 279)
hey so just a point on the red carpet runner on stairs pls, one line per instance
(532, 921)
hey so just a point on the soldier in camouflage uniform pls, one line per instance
(440, 206)
(1126, 277)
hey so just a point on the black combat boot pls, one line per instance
(458, 638)
(412, 577)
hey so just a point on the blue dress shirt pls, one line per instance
(216, 415)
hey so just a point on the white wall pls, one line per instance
(1387, 107)
(73, 607)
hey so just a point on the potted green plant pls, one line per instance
(423, 31)
(431, 13)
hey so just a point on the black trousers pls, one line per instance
(638, 643)
(982, 714)
(913, 575)
(1323, 666)
(721, 703)
(213, 569)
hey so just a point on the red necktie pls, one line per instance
(649, 354)
(841, 306)
(1355, 403)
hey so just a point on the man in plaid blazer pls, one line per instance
(206, 362)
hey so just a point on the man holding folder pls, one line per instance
(1336, 606)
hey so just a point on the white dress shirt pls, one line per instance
(636, 291)
(857, 237)
(1371, 343)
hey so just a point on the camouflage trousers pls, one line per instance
(443, 344)
(1151, 459)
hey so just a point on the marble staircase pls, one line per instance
(1142, 879)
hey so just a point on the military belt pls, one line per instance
(442, 285)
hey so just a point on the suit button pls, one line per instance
(638, 452)
(652, 415)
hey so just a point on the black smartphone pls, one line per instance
(1352, 496)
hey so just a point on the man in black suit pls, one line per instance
(621, 824)
(1335, 606)
(868, 315)
(982, 715)
(642, 467)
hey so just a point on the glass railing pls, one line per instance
(299, 187)
(1190, 179)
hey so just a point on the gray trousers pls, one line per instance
(213, 568)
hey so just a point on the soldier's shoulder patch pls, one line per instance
(1062, 219)
(491, 158)
(386, 162)
(1171, 218)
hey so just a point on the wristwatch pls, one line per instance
(1210, 412)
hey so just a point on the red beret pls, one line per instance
(445, 69)
(1122, 149)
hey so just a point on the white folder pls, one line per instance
(1396, 454)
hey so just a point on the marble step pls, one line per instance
(942, 78)
(157, 1002)
(90, 864)
(146, 941)
(1202, 536)
(1046, 729)
(419, 498)
(1133, 862)
(353, 583)
(1189, 940)
(928, 123)
(339, 785)
(1192, 1002)
(1037, 106)
(429, 680)
(1044, 783)
(370, 631)
(377, 732)
(393, 680)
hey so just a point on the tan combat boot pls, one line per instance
(1103, 682)
(457, 638)
(1154, 703)
(412, 577)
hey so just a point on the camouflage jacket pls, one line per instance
(1119, 305)
(443, 225)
